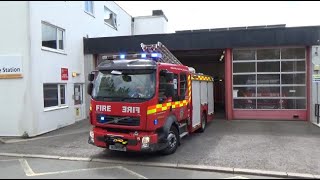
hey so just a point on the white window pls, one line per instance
(110, 17)
(54, 95)
(88, 7)
(52, 37)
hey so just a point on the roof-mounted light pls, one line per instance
(143, 55)
(122, 56)
(155, 55)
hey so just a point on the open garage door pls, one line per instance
(208, 62)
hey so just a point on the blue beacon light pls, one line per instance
(155, 122)
(143, 55)
(154, 55)
(122, 56)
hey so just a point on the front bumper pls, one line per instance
(103, 138)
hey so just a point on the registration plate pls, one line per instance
(117, 148)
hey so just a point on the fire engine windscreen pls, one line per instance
(127, 85)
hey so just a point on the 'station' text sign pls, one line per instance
(10, 67)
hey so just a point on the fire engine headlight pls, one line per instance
(145, 141)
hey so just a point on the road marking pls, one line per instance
(29, 172)
(237, 177)
(198, 167)
(76, 170)
(6, 160)
(27, 169)
(133, 173)
(46, 137)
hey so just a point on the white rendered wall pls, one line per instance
(150, 25)
(15, 101)
(47, 65)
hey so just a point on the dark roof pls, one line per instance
(226, 38)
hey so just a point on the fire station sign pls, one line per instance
(64, 74)
(10, 67)
(316, 77)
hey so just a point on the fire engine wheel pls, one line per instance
(173, 138)
(203, 123)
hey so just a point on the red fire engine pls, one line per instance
(148, 101)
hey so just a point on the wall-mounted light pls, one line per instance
(75, 74)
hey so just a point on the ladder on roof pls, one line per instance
(166, 55)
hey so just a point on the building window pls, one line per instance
(54, 95)
(52, 37)
(78, 94)
(273, 78)
(88, 7)
(110, 17)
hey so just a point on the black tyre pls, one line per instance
(203, 122)
(173, 139)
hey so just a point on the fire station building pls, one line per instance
(261, 72)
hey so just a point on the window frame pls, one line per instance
(60, 105)
(80, 95)
(115, 26)
(58, 29)
(183, 96)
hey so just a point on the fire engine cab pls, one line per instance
(148, 101)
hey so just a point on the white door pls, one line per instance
(79, 106)
(204, 92)
(196, 103)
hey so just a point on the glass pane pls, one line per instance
(244, 92)
(77, 94)
(268, 66)
(268, 54)
(294, 91)
(268, 92)
(268, 79)
(89, 6)
(293, 53)
(49, 36)
(50, 95)
(268, 104)
(60, 39)
(244, 103)
(175, 82)
(291, 66)
(243, 55)
(86, 5)
(293, 78)
(244, 79)
(294, 104)
(62, 94)
(244, 67)
(110, 17)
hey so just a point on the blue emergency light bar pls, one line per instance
(153, 56)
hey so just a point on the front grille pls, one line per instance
(129, 121)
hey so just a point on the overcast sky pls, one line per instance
(216, 14)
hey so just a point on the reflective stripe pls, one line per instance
(165, 106)
(201, 78)
(151, 111)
